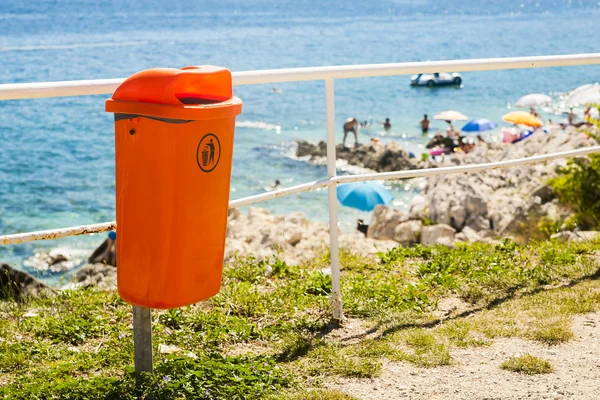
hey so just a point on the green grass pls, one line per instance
(313, 394)
(527, 364)
(426, 349)
(269, 332)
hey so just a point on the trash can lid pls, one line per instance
(190, 93)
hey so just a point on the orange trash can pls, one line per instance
(174, 144)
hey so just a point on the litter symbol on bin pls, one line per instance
(208, 153)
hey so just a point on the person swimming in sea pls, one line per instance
(425, 125)
(387, 125)
(274, 186)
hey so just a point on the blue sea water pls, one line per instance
(57, 156)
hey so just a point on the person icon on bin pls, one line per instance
(211, 148)
(208, 153)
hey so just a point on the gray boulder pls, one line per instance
(458, 215)
(587, 235)
(437, 234)
(460, 237)
(384, 222)
(475, 205)
(478, 223)
(102, 276)
(470, 234)
(15, 284)
(544, 192)
(579, 236)
(566, 236)
(408, 233)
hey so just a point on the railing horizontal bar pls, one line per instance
(57, 233)
(390, 69)
(15, 91)
(305, 187)
(257, 198)
(38, 90)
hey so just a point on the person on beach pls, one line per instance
(107, 252)
(451, 132)
(425, 125)
(551, 125)
(480, 139)
(351, 125)
(533, 112)
(587, 116)
(571, 116)
(466, 145)
(362, 227)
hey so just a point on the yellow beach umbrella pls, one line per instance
(523, 118)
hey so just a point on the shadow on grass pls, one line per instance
(298, 349)
(302, 345)
(512, 293)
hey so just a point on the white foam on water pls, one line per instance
(259, 125)
(72, 46)
(23, 17)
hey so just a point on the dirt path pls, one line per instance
(477, 376)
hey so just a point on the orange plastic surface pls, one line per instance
(168, 92)
(172, 201)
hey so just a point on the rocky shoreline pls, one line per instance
(496, 201)
(374, 156)
(469, 207)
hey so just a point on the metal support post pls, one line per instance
(336, 294)
(142, 341)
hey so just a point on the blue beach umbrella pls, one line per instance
(363, 195)
(479, 125)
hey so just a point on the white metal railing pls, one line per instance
(327, 74)
(13, 91)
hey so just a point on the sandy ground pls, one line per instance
(476, 374)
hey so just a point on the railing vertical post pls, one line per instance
(336, 294)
